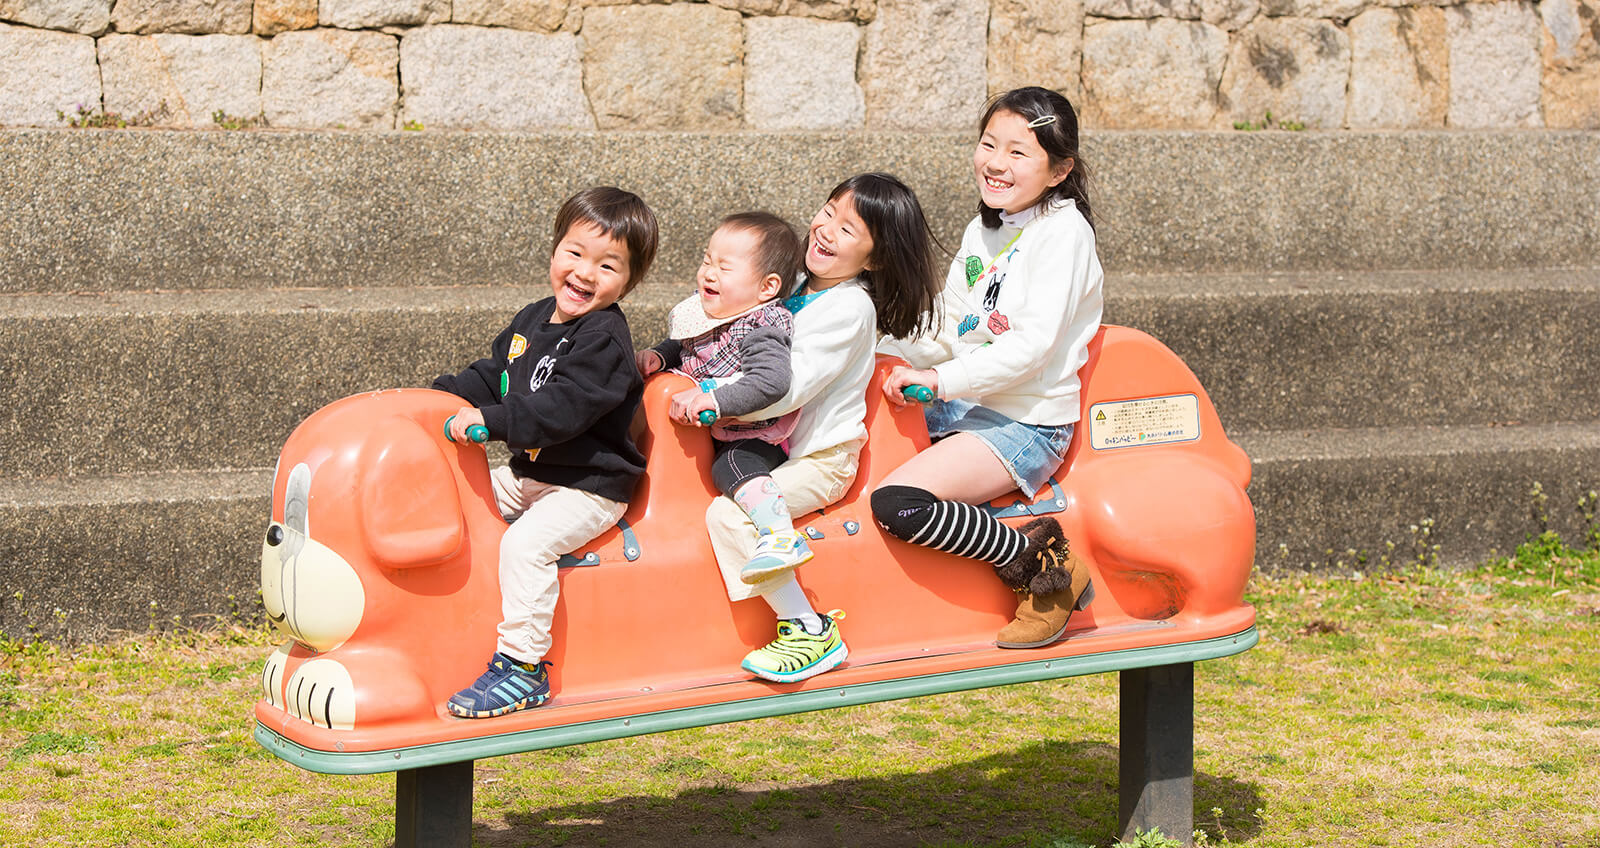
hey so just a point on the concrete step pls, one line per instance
(144, 382)
(89, 557)
(1379, 349)
(90, 210)
(85, 558)
(1371, 498)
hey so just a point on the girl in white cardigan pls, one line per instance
(870, 270)
(1020, 304)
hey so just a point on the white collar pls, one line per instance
(1022, 218)
(688, 319)
(803, 280)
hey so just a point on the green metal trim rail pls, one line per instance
(374, 762)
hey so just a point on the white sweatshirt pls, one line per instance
(832, 359)
(1019, 354)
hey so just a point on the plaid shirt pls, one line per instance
(717, 354)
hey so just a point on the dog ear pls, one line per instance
(409, 507)
(296, 510)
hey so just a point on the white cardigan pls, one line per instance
(1024, 363)
(832, 359)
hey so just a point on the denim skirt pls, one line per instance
(1029, 452)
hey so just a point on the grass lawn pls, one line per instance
(1423, 707)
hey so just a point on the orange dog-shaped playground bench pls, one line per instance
(380, 564)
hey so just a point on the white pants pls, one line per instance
(547, 521)
(808, 483)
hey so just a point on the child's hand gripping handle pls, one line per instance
(477, 432)
(708, 416)
(920, 394)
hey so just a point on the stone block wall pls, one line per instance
(728, 65)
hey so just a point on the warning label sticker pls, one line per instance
(1144, 421)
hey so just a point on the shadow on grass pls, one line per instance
(1039, 796)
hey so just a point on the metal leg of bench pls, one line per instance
(1157, 765)
(433, 807)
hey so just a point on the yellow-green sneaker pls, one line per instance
(796, 655)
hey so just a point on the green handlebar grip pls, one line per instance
(921, 394)
(708, 417)
(477, 432)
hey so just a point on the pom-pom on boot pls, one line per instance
(1050, 581)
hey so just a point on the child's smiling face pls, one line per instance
(730, 280)
(1013, 171)
(589, 271)
(838, 244)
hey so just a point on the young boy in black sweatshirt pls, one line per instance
(560, 389)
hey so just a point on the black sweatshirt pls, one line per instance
(562, 397)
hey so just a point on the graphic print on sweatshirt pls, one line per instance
(546, 366)
(991, 295)
(541, 373)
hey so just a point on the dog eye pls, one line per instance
(274, 535)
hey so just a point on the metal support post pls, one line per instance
(433, 806)
(1157, 761)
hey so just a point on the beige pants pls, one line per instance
(547, 521)
(808, 483)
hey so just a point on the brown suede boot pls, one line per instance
(1050, 581)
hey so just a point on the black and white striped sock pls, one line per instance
(916, 516)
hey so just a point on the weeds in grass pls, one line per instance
(1423, 552)
(50, 742)
(1588, 507)
(1538, 502)
(1152, 838)
(1546, 562)
(1203, 838)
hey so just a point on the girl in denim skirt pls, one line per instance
(1020, 305)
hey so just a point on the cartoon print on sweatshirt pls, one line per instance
(991, 295)
(545, 367)
(541, 373)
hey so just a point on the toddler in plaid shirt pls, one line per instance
(732, 337)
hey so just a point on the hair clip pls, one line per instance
(1042, 121)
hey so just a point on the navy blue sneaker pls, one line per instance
(506, 687)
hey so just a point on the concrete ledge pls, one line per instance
(129, 210)
(89, 558)
(1321, 495)
(218, 379)
(1379, 349)
(201, 380)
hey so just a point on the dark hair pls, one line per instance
(1059, 138)
(905, 277)
(778, 248)
(622, 215)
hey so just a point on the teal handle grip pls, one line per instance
(708, 416)
(477, 432)
(920, 394)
